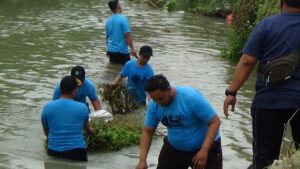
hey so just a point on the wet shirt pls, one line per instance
(137, 77)
(186, 118)
(87, 89)
(65, 119)
(275, 37)
(116, 27)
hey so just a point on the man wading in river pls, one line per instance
(118, 35)
(63, 122)
(193, 138)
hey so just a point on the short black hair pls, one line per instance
(113, 4)
(68, 84)
(157, 82)
(292, 3)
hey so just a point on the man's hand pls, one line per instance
(142, 165)
(133, 52)
(200, 158)
(230, 100)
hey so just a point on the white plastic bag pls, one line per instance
(102, 115)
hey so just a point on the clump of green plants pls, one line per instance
(244, 17)
(123, 131)
(246, 14)
(117, 97)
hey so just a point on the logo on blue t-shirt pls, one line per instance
(172, 120)
(138, 78)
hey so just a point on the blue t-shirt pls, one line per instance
(116, 27)
(274, 37)
(65, 119)
(137, 78)
(87, 89)
(186, 118)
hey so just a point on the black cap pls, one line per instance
(78, 72)
(146, 51)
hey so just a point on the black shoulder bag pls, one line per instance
(280, 69)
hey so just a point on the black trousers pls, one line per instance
(268, 128)
(117, 57)
(171, 158)
(78, 154)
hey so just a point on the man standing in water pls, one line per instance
(193, 138)
(86, 88)
(272, 106)
(118, 36)
(138, 72)
(63, 121)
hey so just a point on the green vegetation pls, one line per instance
(126, 126)
(246, 14)
(123, 131)
(208, 7)
(117, 97)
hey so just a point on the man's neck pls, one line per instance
(117, 11)
(66, 96)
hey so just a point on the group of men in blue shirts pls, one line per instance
(193, 137)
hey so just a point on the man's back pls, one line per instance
(65, 119)
(116, 27)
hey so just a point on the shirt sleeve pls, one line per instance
(43, 119)
(86, 114)
(255, 42)
(202, 108)
(125, 25)
(56, 93)
(92, 92)
(151, 120)
(124, 71)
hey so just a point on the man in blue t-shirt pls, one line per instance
(63, 121)
(193, 138)
(118, 36)
(272, 106)
(137, 71)
(86, 89)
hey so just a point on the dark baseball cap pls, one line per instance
(78, 72)
(146, 51)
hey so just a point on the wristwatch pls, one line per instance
(231, 93)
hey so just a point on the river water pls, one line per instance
(40, 40)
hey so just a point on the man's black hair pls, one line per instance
(292, 3)
(68, 84)
(157, 82)
(113, 4)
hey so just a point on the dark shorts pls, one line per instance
(268, 128)
(78, 154)
(117, 57)
(171, 158)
